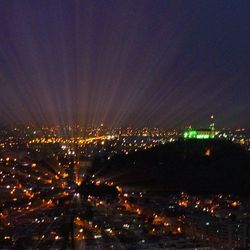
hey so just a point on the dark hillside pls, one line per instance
(192, 166)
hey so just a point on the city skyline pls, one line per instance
(124, 124)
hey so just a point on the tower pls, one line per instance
(212, 126)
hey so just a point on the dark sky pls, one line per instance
(125, 63)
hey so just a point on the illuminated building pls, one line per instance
(207, 133)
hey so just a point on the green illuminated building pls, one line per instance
(198, 134)
(208, 133)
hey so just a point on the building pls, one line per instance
(208, 133)
(220, 232)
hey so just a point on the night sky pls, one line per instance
(136, 63)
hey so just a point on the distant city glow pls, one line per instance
(124, 124)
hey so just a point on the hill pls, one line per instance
(193, 166)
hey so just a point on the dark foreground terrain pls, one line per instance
(192, 166)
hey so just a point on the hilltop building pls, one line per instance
(207, 133)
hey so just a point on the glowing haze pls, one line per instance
(124, 63)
